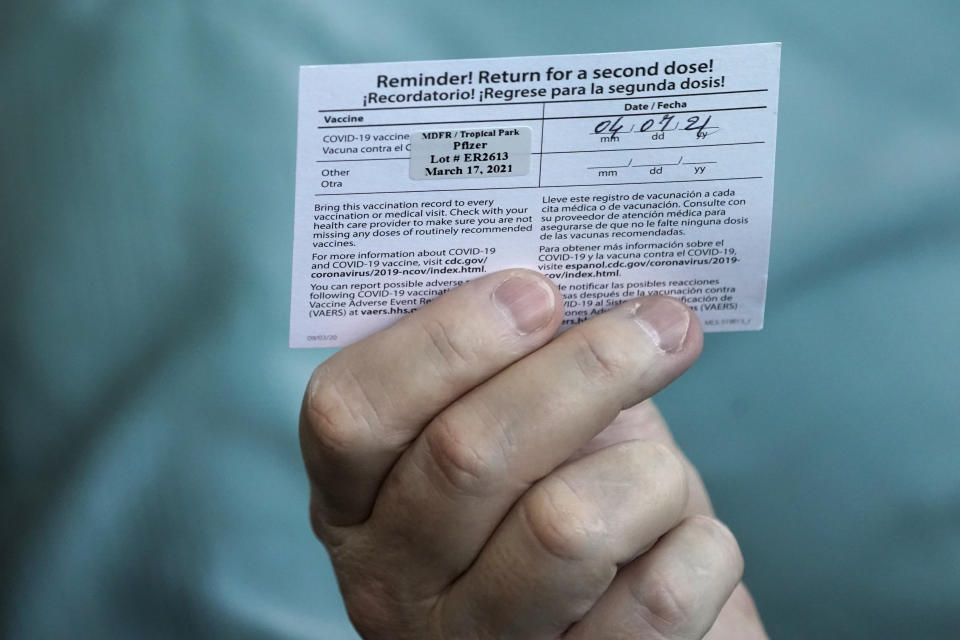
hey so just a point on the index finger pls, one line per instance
(365, 404)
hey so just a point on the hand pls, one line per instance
(474, 476)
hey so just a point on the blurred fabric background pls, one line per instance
(152, 484)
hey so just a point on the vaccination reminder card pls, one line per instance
(616, 175)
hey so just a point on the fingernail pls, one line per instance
(665, 320)
(526, 301)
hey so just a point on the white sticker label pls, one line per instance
(616, 175)
(470, 153)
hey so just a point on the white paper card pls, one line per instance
(616, 175)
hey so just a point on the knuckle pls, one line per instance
(665, 473)
(452, 350)
(338, 416)
(468, 465)
(670, 471)
(719, 536)
(560, 523)
(675, 599)
(599, 356)
(671, 604)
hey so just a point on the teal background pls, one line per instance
(151, 478)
